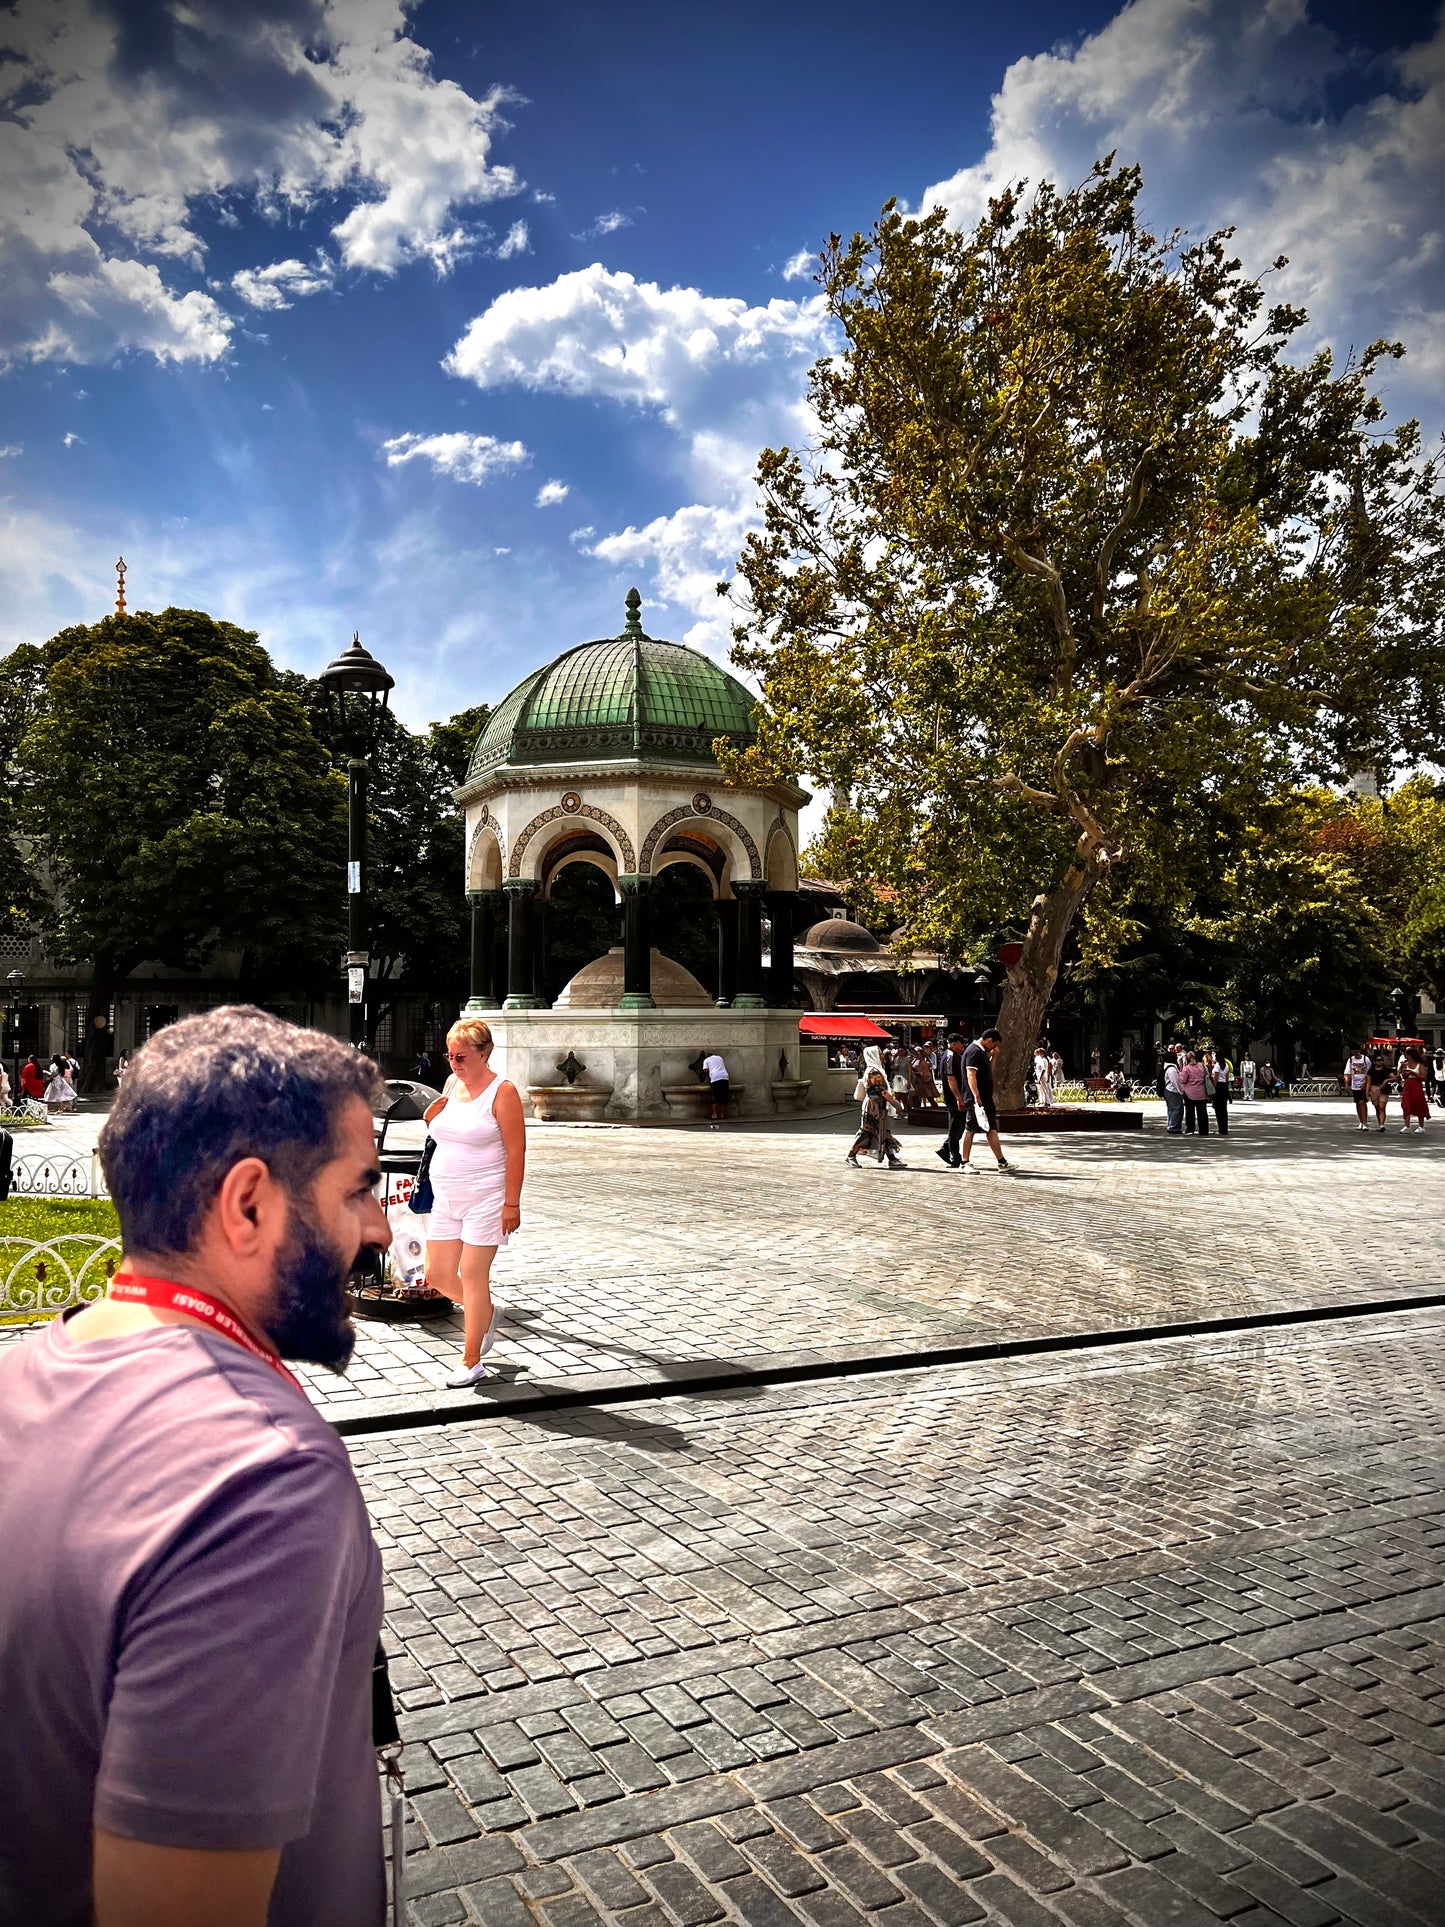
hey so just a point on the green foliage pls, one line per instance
(1078, 566)
(418, 912)
(176, 797)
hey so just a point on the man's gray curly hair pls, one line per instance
(229, 1084)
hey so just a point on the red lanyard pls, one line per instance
(135, 1289)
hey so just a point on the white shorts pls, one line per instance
(473, 1216)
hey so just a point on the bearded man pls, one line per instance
(190, 1595)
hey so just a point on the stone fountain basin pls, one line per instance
(569, 1103)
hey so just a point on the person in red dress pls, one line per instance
(1413, 1101)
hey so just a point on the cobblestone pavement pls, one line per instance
(654, 1255)
(650, 1255)
(1155, 1636)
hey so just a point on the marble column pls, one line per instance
(727, 950)
(636, 942)
(750, 945)
(781, 909)
(486, 913)
(521, 893)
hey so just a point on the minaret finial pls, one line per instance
(633, 625)
(120, 585)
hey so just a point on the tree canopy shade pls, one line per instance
(1077, 556)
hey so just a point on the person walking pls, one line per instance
(477, 1172)
(1378, 1087)
(980, 1113)
(1217, 1070)
(1438, 1063)
(1191, 1089)
(59, 1092)
(1413, 1102)
(719, 1089)
(1355, 1079)
(955, 1086)
(32, 1080)
(1247, 1074)
(1173, 1094)
(873, 1132)
(190, 1594)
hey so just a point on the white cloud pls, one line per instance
(516, 241)
(551, 492)
(596, 332)
(10, 450)
(1227, 104)
(727, 377)
(610, 223)
(283, 283)
(799, 266)
(462, 457)
(115, 131)
(69, 441)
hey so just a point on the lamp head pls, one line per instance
(357, 688)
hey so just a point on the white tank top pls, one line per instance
(469, 1144)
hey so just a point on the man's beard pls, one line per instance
(309, 1320)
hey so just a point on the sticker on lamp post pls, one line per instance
(356, 984)
(353, 879)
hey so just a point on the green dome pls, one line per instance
(626, 696)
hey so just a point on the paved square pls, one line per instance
(1157, 1637)
(649, 1255)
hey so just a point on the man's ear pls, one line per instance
(250, 1208)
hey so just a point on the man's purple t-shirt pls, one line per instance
(190, 1598)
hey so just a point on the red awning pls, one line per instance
(825, 1026)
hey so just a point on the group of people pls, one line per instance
(54, 1087)
(961, 1075)
(1193, 1083)
(1371, 1079)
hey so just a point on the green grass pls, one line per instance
(34, 1286)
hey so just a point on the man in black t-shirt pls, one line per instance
(980, 1113)
(955, 1094)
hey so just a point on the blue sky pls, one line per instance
(447, 323)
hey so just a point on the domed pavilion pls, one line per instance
(603, 759)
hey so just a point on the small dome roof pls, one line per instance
(837, 933)
(625, 696)
(599, 985)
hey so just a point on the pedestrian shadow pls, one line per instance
(608, 1422)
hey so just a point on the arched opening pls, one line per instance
(582, 919)
(684, 920)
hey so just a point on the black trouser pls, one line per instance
(1196, 1117)
(1221, 1111)
(955, 1132)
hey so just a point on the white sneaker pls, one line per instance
(464, 1376)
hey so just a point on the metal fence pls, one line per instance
(56, 1174)
(41, 1276)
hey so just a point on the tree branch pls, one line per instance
(1014, 785)
(1138, 489)
(1044, 570)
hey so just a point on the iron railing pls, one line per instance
(42, 1276)
(57, 1174)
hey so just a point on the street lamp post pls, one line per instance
(15, 983)
(357, 688)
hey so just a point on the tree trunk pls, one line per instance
(1031, 980)
(103, 981)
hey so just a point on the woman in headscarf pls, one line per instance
(873, 1132)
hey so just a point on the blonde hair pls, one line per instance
(471, 1030)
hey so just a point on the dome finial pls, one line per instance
(633, 625)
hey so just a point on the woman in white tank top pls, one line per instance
(476, 1172)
